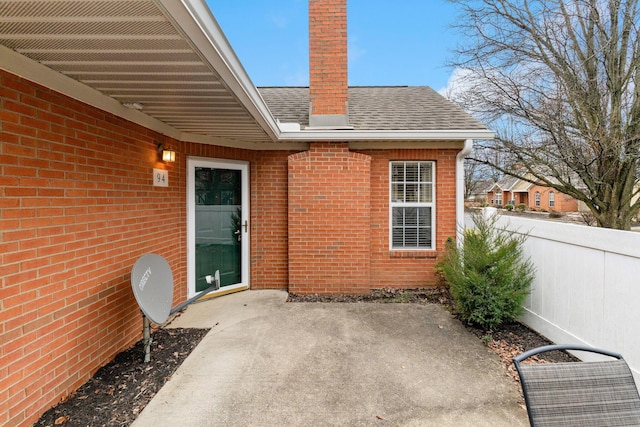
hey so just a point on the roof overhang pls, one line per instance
(386, 135)
(172, 58)
(194, 19)
(522, 187)
(168, 56)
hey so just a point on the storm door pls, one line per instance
(218, 223)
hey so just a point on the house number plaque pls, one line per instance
(160, 178)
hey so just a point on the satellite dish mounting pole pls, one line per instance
(152, 285)
(146, 332)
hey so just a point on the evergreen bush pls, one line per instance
(489, 277)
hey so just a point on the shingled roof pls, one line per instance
(377, 108)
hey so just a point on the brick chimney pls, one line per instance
(328, 85)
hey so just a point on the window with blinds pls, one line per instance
(412, 204)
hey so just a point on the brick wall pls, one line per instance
(562, 202)
(77, 209)
(334, 217)
(409, 269)
(328, 56)
(329, 221)
(269, 258)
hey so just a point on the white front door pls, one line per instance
(217, 223)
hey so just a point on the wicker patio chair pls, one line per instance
(579, 393)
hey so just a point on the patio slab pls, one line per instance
(266, 362)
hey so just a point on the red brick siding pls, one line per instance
(563, 202)
(328, 56)
(269, 229)
(409, 269)
(77, 209)
(329, 221)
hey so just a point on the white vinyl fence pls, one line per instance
(587, 285)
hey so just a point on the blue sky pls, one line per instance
(401, 42)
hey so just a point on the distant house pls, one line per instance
(325, 189)
(478, 194)
(511, 190)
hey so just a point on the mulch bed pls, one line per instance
(119, 391)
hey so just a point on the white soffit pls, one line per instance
(154, 53)
(170, 57)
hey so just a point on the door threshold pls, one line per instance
(223, 292)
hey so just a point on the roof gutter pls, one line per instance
(468, 145)
(386, 135)
(195, 20)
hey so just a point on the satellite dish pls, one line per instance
(152, 283)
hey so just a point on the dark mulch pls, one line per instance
(117, 393)
(436, 295)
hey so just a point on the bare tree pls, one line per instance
(478, 176)
(472, 183)
(565, 76)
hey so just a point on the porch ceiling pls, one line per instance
(168, 56)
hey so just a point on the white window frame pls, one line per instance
(552, 199)
(498, 198)
(536, 198)
(395, 204)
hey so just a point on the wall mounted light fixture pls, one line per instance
(166, 154)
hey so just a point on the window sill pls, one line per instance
(413, 254)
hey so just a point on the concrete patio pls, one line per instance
(266, 362)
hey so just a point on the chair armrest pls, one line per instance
(553, 347)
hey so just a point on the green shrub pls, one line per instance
(488, 277)
(509, 207)
(521, 207)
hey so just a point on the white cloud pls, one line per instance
(467, 89)
(457, 86)
(354, 51)
(280, 21)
